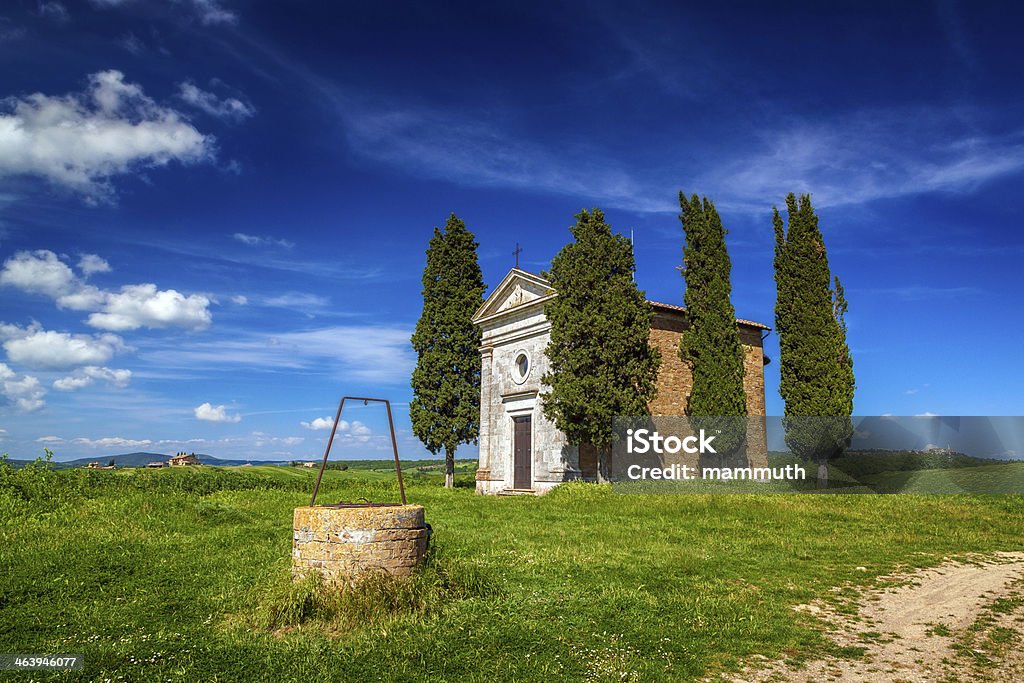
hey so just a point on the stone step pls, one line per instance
(517, 492)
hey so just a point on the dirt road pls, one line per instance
(958, 622)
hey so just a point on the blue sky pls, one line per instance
(213, 213)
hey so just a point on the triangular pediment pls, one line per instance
(518, 288)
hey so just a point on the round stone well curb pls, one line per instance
(342, 543)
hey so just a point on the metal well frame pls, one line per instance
(330, 441)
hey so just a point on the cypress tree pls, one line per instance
(711, 344)
(445, 409)
(601, 362)
(816, 367)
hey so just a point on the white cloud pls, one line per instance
(138, 306)
(351, 430)
(262, 240)
(211, 413)
(49, 350)
(11, 331)
(84, 377)
(91, 263)
(86, 298)
(24, 391)
(49, 439)
(80, 141)
(113, 442)
(38, 272)
(72, 382)
(228, 108)
(134, 306)
(240, 299)
(324, 423)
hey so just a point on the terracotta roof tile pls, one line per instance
(682, 309)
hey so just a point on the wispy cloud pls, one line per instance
(228, 108)
(54, 11)
(922, 292)
(851, 158)
(335, 269)
(209, 12)
(262, 241)
(302, 301)
(445, 145)
(112, 442)
(864, 156)
(86, 376)
(364, 352)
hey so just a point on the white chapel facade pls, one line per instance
(520, 449)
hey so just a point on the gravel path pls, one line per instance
(961, 621)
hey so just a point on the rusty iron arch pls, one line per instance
(330, 441)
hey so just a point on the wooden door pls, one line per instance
(522, 453)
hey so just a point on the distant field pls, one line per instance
(169, 575)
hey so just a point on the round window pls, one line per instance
(521, 367)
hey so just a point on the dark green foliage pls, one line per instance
(445, 408)
(601, 363)
(711, 344)
(815, 363)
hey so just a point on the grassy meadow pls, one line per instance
(183, 575)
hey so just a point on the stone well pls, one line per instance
(342, 542)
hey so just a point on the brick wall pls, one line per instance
(674, 378)
(342, 543)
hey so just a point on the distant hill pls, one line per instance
(141, 459)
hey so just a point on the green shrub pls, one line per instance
(33, 482)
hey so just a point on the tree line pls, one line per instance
(601, 363)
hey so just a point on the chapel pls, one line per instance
(520, 450)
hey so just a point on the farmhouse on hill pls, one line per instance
(182, 459)
(520, 450)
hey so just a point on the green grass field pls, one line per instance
(184, 575)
